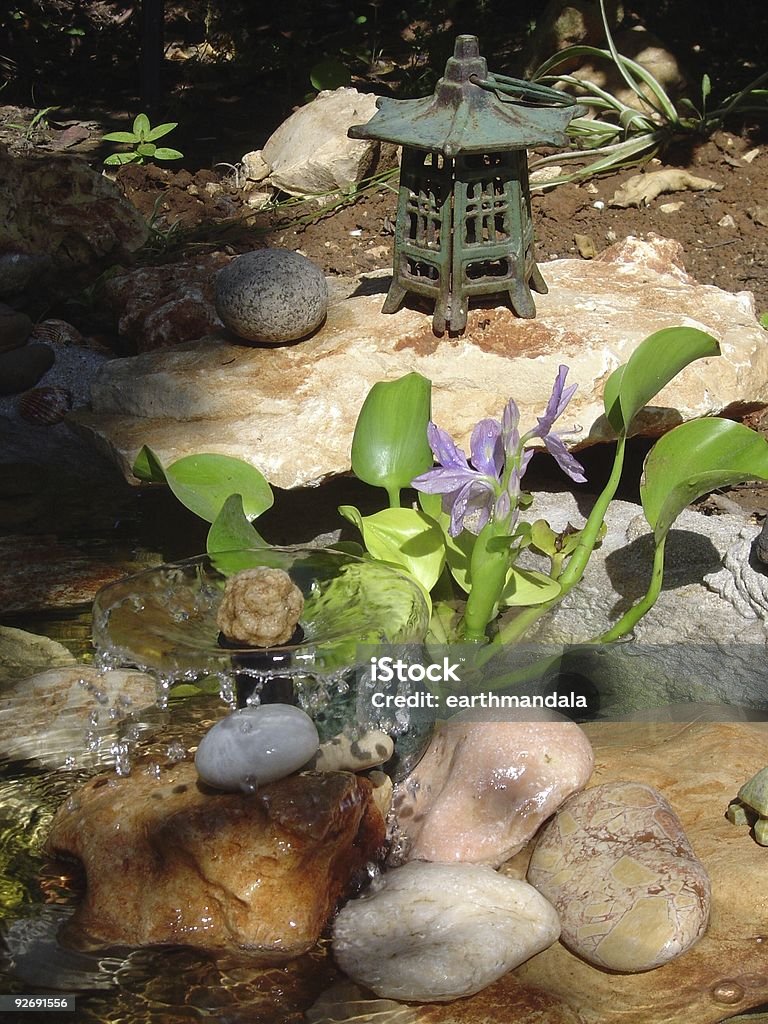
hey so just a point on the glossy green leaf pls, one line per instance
(162, 153)
(329, 74)
(653, 364)
(204, 482)
(160, 130)
(390, 446)
(526, 587)
(232, 530)
(122, 158)
(696, 458)
(141, 126)
(543, 537)
(127, 137)
(402, 537)
(146, 149)
(458, 550)
(148, 466)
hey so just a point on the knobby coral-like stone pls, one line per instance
(436, 932)
(618, 868)
(168, 863)
(260, 607)
(484, 787)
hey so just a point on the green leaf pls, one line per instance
(141, 126)
(458, 550)
(696, 458)
(123, 158)
(128, 137)
(390, 445)
(403, 537)
(543, 537)
(231, 529)
(146, 149)
(147, 466)
(204, 482)
(526, 587)
(653, 364)
(706, 86)
(329, 74)
(163, 153)
(161, 130)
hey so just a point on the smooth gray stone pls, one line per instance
(271, 295)
(15, 328)
(23, 367)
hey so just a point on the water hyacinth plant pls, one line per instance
(472, 519)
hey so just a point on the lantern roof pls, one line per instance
(473, 111)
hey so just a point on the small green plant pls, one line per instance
(619, 135)
(38, 123)
(143, 139)
(763, 320)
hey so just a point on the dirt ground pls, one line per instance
(723, 231)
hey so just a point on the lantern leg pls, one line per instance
(537, 281)
(394, 298)
(521, 299)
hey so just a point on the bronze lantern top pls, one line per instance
(473, 111)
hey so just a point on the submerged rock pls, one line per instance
(484, 787)
(618, 867)
(436, 932)
(22, 368)
(168, 863)
(256, 745)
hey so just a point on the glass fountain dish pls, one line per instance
(163, 621)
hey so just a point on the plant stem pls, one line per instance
(488, 571)
(577, 563)
(630, 618)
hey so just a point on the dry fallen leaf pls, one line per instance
(586, 246)
(640, 189)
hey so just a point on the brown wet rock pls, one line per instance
(170, 862)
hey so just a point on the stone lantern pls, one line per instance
(463, 224)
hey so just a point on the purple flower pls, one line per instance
(468, 493)
(559, 399)
(488, 486)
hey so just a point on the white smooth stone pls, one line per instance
(436, 932)
(256, 745)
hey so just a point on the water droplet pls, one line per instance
(249, 784)
(727, 992)
(245, 726)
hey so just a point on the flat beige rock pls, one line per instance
(291, 410)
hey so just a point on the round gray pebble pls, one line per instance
(254, 746)
(271, 295)
(22, 368)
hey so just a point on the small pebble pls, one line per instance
(271, 295)
(254, 746)
(22, 368)
(617, 866)
(344, 754)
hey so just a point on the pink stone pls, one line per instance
(484, 787)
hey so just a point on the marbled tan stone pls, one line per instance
(484, 787)
(618, 868)
(437, 932)
(272, 295)
(254, 746)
